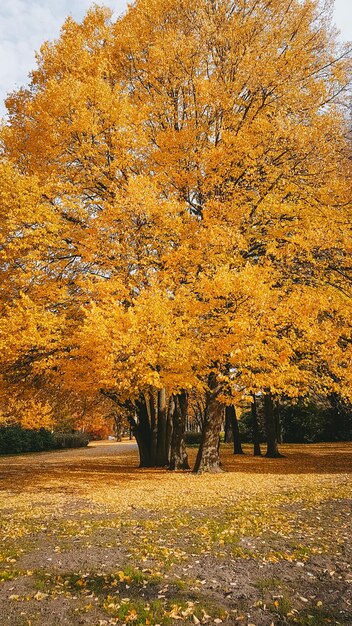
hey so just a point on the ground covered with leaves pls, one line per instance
(87, 538)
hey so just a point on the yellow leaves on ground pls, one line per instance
(99, 535)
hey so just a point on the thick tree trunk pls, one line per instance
(270, 427)
(255, 425)
(139, 417)
(169, 425)
(230, 413)
(143, 449)
(208, 459)
(229, 436)
(161, 450)
(152, 413)
(178, 454)
(278, 428)
(142, 432)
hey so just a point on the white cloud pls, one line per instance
(26, 24)
(343, 18)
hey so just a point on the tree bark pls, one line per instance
(169, 425)
(255, 425)
(229, 433)
(278, 428)
(270, 427)
(118, 426)
(140, 415)
(142, 432)
(178, 454)
(208, 459)
(152, 413)
(230, 414)
(161, 449)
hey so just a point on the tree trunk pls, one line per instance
(208, 459)
(178, 455)
(255, 425)
(169, 425)
(142, 432)
(229, 436)
(278, 427)
(138, 417)
(230, 414)
(152, 412)
(270, 426)
(143, 449)
(334, 424)
(161, 449)
(118, 427)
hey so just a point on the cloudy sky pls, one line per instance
(25, 24)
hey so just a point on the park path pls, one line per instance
(98, 457)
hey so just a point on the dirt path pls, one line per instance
(97, 457)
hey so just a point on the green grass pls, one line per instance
(98, 584)
(317, 616)
(142, 613)
(6, 575)
(268, 584)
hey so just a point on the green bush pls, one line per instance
(245, 425)
(71, 440)
(14, 440)
(10, 440)
(192, 438)
(313, 421)
(306, 420)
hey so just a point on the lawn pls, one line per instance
(88, 538)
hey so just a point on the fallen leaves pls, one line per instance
(167, 545)
(39, 596)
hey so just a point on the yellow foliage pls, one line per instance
(175, 200)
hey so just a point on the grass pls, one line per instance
(6, 575)
(269, 584)
(319, 617)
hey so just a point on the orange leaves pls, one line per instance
(27, 410)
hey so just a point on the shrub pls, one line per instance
(10, 440)
(14, 440)
(192, 438)
(71, 440)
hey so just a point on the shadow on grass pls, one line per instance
(324, 458)
(113, 463)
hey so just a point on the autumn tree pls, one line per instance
(247, 130)
(192, 159)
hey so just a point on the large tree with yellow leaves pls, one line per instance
(190, 164)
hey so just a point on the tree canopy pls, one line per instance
(176, 208)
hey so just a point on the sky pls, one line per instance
(26, 24)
